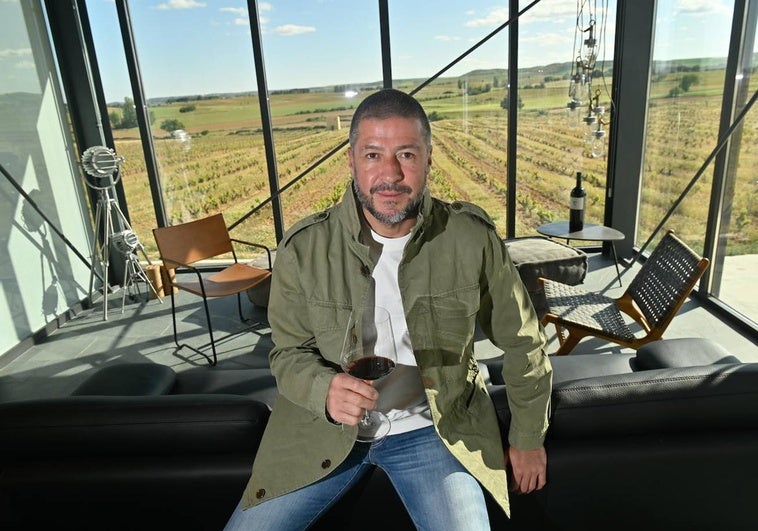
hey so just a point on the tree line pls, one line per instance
(127, 117)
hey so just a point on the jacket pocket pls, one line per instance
(329, 326)
(444, 324)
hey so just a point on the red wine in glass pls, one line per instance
(370, 367)
(368, 353)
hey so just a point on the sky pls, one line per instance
(188, 47)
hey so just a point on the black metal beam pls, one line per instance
(266, 124)
(512, 140)
(143, 118)
(384, 33)
(633, 52)
(725, 165)
(97, 90)
(75, 73)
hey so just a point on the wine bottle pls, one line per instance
(576, 205)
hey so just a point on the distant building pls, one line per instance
(180, 134)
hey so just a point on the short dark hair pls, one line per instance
(389, 103)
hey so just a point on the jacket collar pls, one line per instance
(351, 214)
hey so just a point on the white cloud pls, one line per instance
(24, 65)
(699, 7)
(241, 21)
(17, 52)
(241, 11)
(264, 6)
(493, 18)
(293, 29)
(554, 11)
(544, 11)
(180, 4)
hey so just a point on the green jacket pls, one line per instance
(455, 272)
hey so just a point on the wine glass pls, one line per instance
(368, 353)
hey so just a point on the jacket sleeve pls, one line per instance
(302, 374)
(508, 318)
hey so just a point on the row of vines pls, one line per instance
(218, 169)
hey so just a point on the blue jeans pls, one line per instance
(435, 488)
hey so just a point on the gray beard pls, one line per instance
(367, 202)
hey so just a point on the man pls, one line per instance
(440, 269)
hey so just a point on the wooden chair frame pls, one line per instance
(653, 298)
(183, 245)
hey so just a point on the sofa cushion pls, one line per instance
(258, 384)
(682, 352)
(566, 368)
(537, 256)
(121, 426)
(706, 398)
(691, 399)
(129, 379)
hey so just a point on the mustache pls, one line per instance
(388, 187)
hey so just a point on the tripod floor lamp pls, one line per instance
(101, 168)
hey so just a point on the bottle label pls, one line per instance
(576, 203)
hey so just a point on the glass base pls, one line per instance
(374, 427)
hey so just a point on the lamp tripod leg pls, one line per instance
(126, 283)
(106, 250)
(100, 251)
(95, 255)
(133, 271)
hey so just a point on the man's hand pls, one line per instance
(529, 469)
(348, 398)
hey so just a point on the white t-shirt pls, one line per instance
(401, 393)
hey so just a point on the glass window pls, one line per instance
(563, 131)
(737, 243)
(469, 124)
(200, 88)
(321, 59)
(122, 115)
(687, 82)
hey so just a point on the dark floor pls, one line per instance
(143, 333)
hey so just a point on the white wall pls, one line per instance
(40, 275)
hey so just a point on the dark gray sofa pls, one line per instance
(636, 442)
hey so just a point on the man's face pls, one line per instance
(389, 163)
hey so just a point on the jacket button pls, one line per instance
(456, 205)
(260, 494)
(320, 215)
(326, 463)
(365, 271)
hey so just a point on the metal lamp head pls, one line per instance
(125, 241)
(100, 165)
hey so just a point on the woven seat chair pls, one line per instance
(652, 299)
(183, 245)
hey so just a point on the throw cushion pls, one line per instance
(537, 256)
(129, 379)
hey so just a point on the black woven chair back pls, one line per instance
(668, 275)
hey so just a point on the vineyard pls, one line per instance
(221, 167)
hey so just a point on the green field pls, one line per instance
(223, 169)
